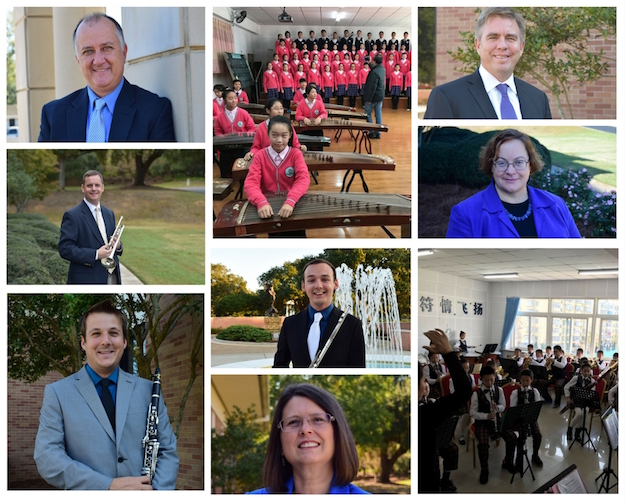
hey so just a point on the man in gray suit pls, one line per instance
(92, 423)
(492, 92)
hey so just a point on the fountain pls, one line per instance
(373, 300)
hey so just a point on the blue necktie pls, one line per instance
(507, 111)
(96, 131)
(107, 401)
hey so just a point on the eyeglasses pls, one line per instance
(518, 164)
(294, 424)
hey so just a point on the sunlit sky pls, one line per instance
(251, 263)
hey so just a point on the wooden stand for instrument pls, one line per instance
(363, 129)
(317, 161)
(317, 210)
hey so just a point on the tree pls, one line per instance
(377, 408)
(224, 282)
(11, 82)
(150, 320)
(44, 334)
(558, 49)
(29, 175)
(427, 45)
(140, 159)
(237, 455)
(239, 304)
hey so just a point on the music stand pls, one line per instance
(522, 416)
(540, 372)
(610, 423)
(584, 398)
(510, 367)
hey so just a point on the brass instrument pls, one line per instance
(593, 363)
(601, 376)
(526, 363)
(109, 262)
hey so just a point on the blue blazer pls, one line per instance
(76, 448)
(466, 98)
(483, 216)
(140, 116)
(80, 238)
(350, 489)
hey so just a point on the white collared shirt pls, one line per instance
(273, 154)
(490, 85)
(231, 115)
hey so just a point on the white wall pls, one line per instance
(487, 328)
(439, 286)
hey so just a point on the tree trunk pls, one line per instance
(143, 166)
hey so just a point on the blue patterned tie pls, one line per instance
(96, 131)
(507, 111)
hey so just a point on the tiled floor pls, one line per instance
(554, 453)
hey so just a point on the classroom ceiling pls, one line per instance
(531, 264)
(359, 17)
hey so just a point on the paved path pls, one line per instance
(128, 278)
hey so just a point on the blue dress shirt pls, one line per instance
(96, 380)
(108, 110)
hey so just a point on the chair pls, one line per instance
(476, 378)
(444, 383)
(507, 391)
(569, 371)
(596, 372)
(600, 388)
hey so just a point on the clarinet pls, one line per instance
(494, 407)
(150, 441)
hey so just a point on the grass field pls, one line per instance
(164, 235)
(576, 148)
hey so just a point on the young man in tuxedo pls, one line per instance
(306, 333)
(92, 422)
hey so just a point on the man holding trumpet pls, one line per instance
(89, 238)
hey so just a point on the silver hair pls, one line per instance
(499, 12)
(95, 17)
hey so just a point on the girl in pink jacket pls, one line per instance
(277, 168)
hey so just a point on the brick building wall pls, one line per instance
(595, 101)
(24, 405)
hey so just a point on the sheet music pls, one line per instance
(571, 483)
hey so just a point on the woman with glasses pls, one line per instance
(311, 449)
(508, 207)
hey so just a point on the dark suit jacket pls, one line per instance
(347, 349)
(76, 447)
(80, 238)
(140, 116)
(466, 98)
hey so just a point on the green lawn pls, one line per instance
(195, 182)
(164, 234)
(576, 148)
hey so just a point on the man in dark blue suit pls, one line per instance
(109, 109)
(492, 92)
(83, 232)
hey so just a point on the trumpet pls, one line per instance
(109, 262)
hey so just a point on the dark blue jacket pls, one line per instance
(483, 216)
(140, 116)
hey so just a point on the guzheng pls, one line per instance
(245, 140)
(316, 210)
(344, 111)
(328, 161)
(337, 124)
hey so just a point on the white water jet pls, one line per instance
(373, 300)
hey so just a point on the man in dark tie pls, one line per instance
(492, 92)
(87, 237)
(92, 422)
(305, 334)
(109, 109)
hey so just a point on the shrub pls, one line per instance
(245, 334)
(434, 167)
(594, 213)
(32, 251)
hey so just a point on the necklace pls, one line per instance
(523, 217)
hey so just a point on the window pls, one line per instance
(590, 324)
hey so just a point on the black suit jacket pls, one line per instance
(347, 349)
(466, 98)
(80, 238)
(140, 116)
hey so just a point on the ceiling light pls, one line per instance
(501, 276)
(424, 252)
(585, 272)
